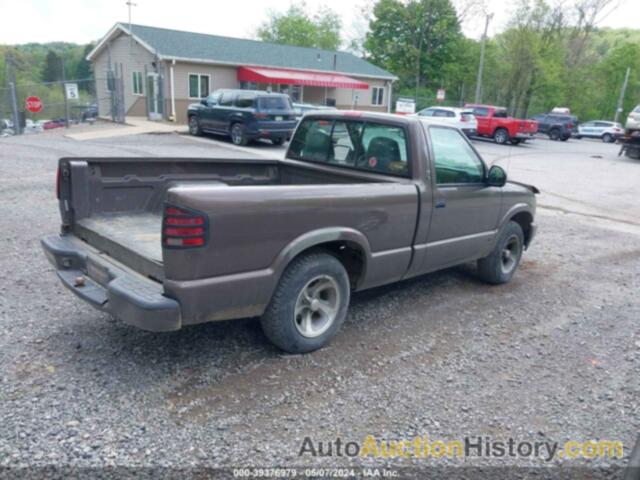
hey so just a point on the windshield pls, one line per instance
(274, 103)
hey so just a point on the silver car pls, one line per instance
(462, 118)
(633, 120)
(608, 131)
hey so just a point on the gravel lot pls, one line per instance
(554, 355)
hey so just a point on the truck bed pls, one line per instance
(116, 204)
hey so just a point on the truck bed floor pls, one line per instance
(133, 235)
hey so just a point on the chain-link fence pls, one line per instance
(59, 104)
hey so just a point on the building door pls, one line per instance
(155, 99)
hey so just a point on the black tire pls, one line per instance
(565, 138)
(608, 138)
(515, 141)
(238, 135)
(578, 137)
(277, 140)
(194, 126)
(281, 324)
(501, 136)
(498, 268)
(554, 134)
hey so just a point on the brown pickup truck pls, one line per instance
(360, 200)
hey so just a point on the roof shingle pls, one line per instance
(238, 51)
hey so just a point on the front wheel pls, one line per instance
(309, 305)
(501, 136)
(503, 261)
(277, 140)
(515, 141)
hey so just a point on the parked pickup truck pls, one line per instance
(361, 200)
(496, 123)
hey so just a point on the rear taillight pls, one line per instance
(569, 126)
(261, 115)
(183, 228)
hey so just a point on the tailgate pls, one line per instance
(111, 286)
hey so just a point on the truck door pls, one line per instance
(465, 208)
(484, 122)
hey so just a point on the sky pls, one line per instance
(82, 21)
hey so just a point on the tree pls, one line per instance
(413, 39)
(52, 70)
(83, 68)
(297, 27)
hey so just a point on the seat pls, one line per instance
(381, 153)
(317, 146)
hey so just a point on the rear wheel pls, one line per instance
(309, 304)
(194, 125)
(277, 141)
(515, 141)
(238, 135)
(607, 138)
(503, 261)
(501, 136)
(554, 134)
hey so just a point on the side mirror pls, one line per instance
(205, 102)
(496, 177)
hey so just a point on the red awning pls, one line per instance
(298, 77)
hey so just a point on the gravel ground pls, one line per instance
(554, 355)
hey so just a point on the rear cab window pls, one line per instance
(366, 146)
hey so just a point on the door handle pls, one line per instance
(440, 204)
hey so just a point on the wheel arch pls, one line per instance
(522, 215)
(349, 246)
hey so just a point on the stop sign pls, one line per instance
(33, 104)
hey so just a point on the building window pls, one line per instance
(377, 96)
(198, 85)
(138, 87)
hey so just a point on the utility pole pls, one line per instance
(621, 99)
(481, 66)
(17, 128)
(64, 94)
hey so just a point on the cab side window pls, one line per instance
(454, 159)
(481, 111)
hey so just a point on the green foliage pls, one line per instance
(297, 27)
(539, 62)
(52, 71)
(414, 39)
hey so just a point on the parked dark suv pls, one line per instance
(244, 115)
(557, 126)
